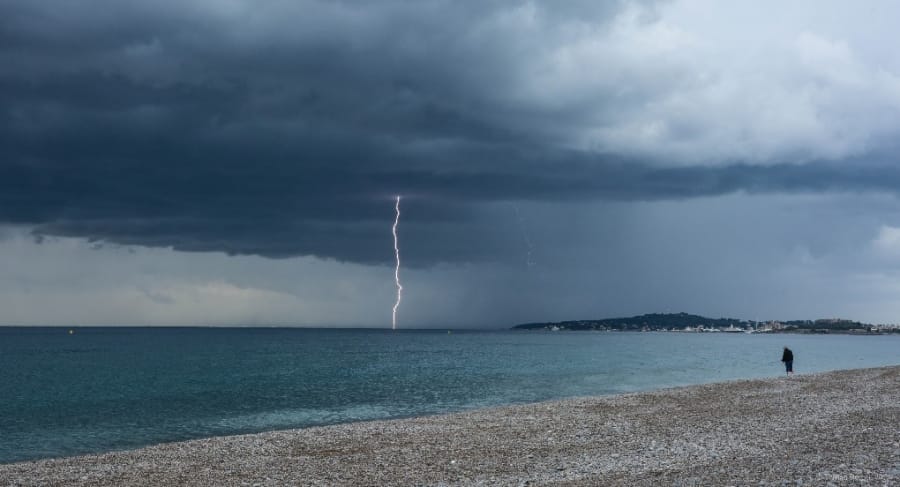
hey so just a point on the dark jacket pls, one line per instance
(788, 355)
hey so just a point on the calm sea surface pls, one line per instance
(102, 389)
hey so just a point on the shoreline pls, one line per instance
(840, 427)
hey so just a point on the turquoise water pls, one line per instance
(103, 389)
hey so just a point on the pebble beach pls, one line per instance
(836, 428)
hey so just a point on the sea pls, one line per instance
(70, 391)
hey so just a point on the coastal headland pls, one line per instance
(834, 428)
(685, 322)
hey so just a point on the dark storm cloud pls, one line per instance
(285, 128)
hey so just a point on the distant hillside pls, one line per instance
(683, 321)
(653, 321)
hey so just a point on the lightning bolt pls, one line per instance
(397, 268)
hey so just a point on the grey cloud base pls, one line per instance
(285, 130)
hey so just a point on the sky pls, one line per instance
(236, 162)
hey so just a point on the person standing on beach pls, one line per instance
(788, 358)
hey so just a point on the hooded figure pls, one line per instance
(788, 358)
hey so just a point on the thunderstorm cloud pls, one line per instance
(284, 129)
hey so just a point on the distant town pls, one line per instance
(688, 323)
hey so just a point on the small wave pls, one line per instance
(302, 417)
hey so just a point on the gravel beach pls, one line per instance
(837, 428)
